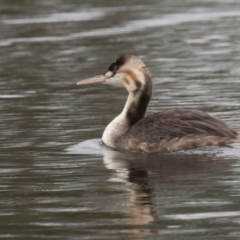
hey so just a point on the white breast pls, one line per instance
(118, 127)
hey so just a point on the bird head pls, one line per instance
(127, 71)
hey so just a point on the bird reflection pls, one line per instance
(141, 210)
(142, 207)
(139, 171)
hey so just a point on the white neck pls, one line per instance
(119, 125)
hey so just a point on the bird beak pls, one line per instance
(97, 79)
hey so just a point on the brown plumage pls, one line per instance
(176, 130)
(168, 130)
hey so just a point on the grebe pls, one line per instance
(168, 130)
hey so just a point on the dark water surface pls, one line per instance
(56, 185)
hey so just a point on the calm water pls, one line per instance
(56, 179)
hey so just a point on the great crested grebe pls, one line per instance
(168, 130)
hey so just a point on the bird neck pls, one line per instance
(134, 110)
(135, 107)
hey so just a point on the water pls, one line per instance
(57, 180)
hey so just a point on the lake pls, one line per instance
(58, 181)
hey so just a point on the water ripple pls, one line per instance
(59, 17)
(206, 215)
(130, 27)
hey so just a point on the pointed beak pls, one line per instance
(97, 79)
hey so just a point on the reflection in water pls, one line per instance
(138, 171)
(139, 187)
(140, 210)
